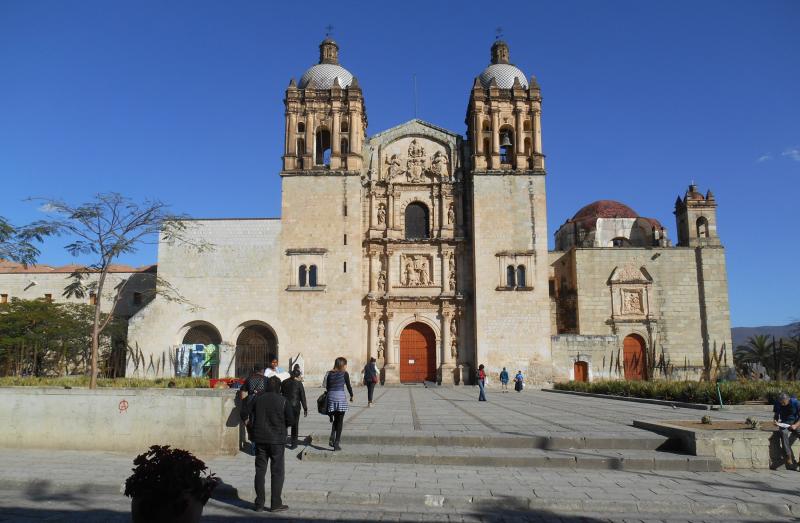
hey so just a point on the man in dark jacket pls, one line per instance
(295, 394)
(270, 414)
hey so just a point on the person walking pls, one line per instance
(519, 379)
(252, 387)
(370, 379)
(504, 380)
(270, 414)
(294, 392)
(335, 382)
(481, 382)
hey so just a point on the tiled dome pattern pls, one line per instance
(321, 76)
(504, 75)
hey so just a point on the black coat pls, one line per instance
(269, 414)
(295, 393)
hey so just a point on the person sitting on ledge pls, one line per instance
(787, 419)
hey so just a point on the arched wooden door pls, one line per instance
(417, 354)
(581, 369)
(633, 351)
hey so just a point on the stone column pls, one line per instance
(390, 209)
(495, 160)
(391, 371)
(519, 142)
(373, 278)
(537, 139)
(447, 369)
(477, 133)
(372, 335)
(291, 139)
(309, 152)
(388, 260)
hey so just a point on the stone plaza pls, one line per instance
(436, 454)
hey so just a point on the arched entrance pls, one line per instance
(417, 354)
(198, 354)
(203, 334)
(633, 352)
(254, 347)
(581, 371)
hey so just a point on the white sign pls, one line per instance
(411, 362)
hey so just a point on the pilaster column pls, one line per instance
(291, 130)
(389, 356)
(445, 277)
(388, 266)
(495, 160)
(477, 133)
(519, 141)
(390, 209)
(335, 134)
(372, 335)
(309, 152)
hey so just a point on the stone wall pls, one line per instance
(512, 326)
(228, 288)
(594, 350)
(127, 420)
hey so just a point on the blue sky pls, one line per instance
(182, 101)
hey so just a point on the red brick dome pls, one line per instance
(588, 215)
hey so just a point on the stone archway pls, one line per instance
(417, 353)
(633, 349)
(255, 345)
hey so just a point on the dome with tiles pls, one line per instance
(328, 71)
(500, 70)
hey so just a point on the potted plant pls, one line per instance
(168, 485)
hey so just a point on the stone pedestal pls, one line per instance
(448, 374)
(391, 374)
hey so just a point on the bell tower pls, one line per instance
(696, 217)
(509, 223)
(325, 117)
(504, 117)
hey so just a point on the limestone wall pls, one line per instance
(512, 326)
(234, 285)
(124, 420)
(594, 350)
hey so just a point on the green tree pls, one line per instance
(17, 245)
(758, 349)
(106, 228)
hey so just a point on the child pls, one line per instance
(518, 381)
(504, 380)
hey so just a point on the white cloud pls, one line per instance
(764, 158)
(792, 153)
(46, 207)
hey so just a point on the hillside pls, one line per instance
(740, 334)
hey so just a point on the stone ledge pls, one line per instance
(697, 406)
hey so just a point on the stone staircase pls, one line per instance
(603, 452)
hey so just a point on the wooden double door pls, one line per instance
(417, 354)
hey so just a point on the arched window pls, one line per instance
(301, 127)
(323, 152)
(510, 276)
(345, 146)
(301, 276)
(702, 227)
(344, 127)
(312, 276)
(506, 145)
(487, 147)
(526, 125)
(527, 146)
(486, 126)
(301, 146)
(417, 221)
(521, 276)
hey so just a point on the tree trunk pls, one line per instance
(96, 329)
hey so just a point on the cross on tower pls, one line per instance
(328, 30)
(498, 33)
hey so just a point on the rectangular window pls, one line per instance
(48, 298)
(137, 298)
(345, 239)
(344, 209)
(3, 298)
(345, 266)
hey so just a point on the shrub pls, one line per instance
(124, 383)
(733, 392)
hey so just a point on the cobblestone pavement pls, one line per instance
(37, 484)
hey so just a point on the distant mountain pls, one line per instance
(740, 334)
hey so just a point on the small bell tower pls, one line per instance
(696, 217)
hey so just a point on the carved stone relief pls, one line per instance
(451, 214)
(632, 302)
(415, 165)
(416, 270)
(381, 337)
(381, 214)
(454, 337)
(452, 272)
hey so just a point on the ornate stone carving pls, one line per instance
(628, 273)
(382, 281)
(416, 270)
(454, 337)
(381, 214)
(439, 165)
(381, 337)
(452, 272)
(451, 214)
(394, 168)
(632, 302)
(415, 165)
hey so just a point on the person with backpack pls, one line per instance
(504, 380)
(294, 392)
(252, 387)
(787, 418)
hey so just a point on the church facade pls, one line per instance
(427, 250)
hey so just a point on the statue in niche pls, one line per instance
(381, 329)
(451, 214)
(382, 281)
(424, 275)
(439, 165)
(454, 338)
(381, 214)
(412, 278)
(393, 167)
(381, 347)
(415, 165)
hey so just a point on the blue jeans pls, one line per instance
(482, 395)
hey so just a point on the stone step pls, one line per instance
(514, 457)
(647, 440)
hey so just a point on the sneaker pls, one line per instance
(279, 508)
(336, 447)
(258, 507)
